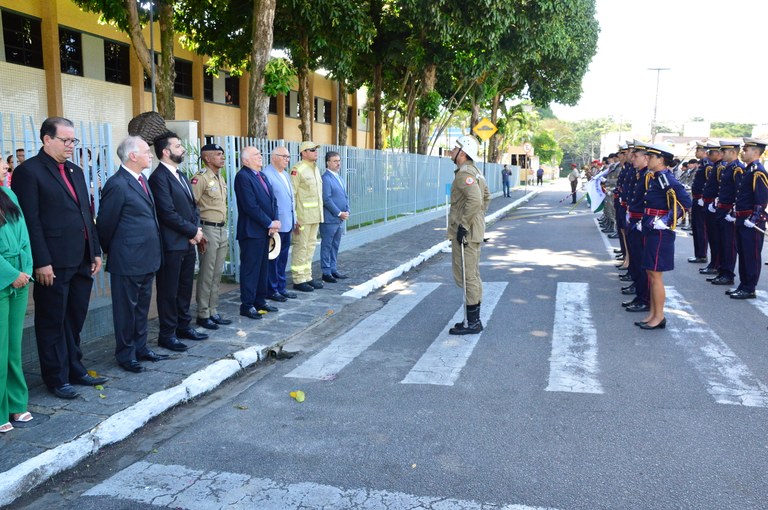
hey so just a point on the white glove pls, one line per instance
(748, 223)
(639, 226)
(711, 207)
(627, 216)
(659, 225)
(701, 202)
(729, 218)
(717, 201)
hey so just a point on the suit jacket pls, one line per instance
(177, 212)
(284, 196)
(256, 209)
(128, 228)
(335, 199)
(57, 223)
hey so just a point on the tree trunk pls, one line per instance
(166, 104)
(342, 120)
(428, 79)
(411, 119)
(166, 72)
(474, 116)
(302, 74)
(494, 152)
(258, 101)
(378, 80)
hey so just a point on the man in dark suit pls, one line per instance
(130, 236)
(335, 213)
(256, 221)
(66, 254)
(179, 229)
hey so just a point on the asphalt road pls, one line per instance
(561, 402)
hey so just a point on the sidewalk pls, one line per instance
(65, 432)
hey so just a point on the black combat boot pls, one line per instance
(473, 326)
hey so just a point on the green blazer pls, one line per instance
(15, 250)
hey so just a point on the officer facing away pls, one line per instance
(466, 225)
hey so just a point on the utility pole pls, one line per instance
(656, 102)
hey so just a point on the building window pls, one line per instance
(182, 86)
(117, 66)
(207, 86)
(349, 116)
(322, 110)
(273, 105)
(232, 90)
(23, 40)
(71, 51)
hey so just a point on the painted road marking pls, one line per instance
(442, 362)
(341, 351)
(728, 379)
(573, 364)
(180, 487)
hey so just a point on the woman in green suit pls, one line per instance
(15, 270)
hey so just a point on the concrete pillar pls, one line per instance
(198, 94)
(51, 57)
(281, 99)
(137, 84)
(245, 79)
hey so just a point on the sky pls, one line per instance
(717, 53)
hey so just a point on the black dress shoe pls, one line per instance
(221, 321)
(660, 325)
(289, 295)
(132, 366)
(625, 278)
(731, 291)
(617, 250)
(265, 307)
(628, 291)
(329, 278)
(303, 287)
(627, 303)
(713, 278)
(340, 276)
(172, 344)
(708, 270)
(743, 294)
(638, 307)
(629, 287)
(278, 297)
(697, 260)
(66, 391)
(722, 280)
(88, 380)
(316, 284)
(206, 323)
(190, 334)
(152, 356)
(615, 235)
(251, 313)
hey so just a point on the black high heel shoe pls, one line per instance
(660, 325)
(640, 323)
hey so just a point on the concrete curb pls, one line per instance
(29, 474)
(362, 290)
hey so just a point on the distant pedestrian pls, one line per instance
(506, 178)
(573, 178)
(539, 176)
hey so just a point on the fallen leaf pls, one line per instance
(298, 395)
(413, 466)
(262, 312)
(241, 407)
(154, 450)
(241, 333)
(92, 373)
(329, 313)
(101, 395)
(99, 387)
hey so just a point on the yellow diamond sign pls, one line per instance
(484, 129)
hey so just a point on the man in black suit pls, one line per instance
(256, 221)
(66, 254)
(130, 236)
(179, 229)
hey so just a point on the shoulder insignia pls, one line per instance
(294, 172)
(194, 181)
(470, 181)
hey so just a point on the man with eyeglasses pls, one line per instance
(308, 187)
(66, 254)
(281, 184)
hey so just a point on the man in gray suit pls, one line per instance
(336, 212)
(281, 184)
(130, 236)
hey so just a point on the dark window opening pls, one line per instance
(117, 66)
(207, 86)
(349, 116)
(71, 51)
(182, 86)
(232, 90)
(23, 40)
(273, 105)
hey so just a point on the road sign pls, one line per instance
(528, 148)
(484, 129)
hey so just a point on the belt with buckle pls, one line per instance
(212, 224)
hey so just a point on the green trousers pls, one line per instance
(13, 387)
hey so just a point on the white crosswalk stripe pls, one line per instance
(442, 362)
(344, 349)
(573, 364)
(180, 487)
(727, 378)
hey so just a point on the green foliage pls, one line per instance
(428, 106)
(279, 77)
(730, 130)
(546, 147)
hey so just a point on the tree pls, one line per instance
(126, 15)
(731, 130)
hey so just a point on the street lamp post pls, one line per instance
(656, 102)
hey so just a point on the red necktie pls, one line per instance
(143, 184)
(261, 179)
(63, 173)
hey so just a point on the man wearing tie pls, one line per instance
(179, 219)
(65, 253)
(335, 213)
(256, 220)
(130, 235)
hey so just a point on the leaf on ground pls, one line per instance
(413, 466)
(329, 313)
(298, 395)
(241, 407)
(241, 333)
(92, 373)
(101, 395)
(262, 312)
(98, 387)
